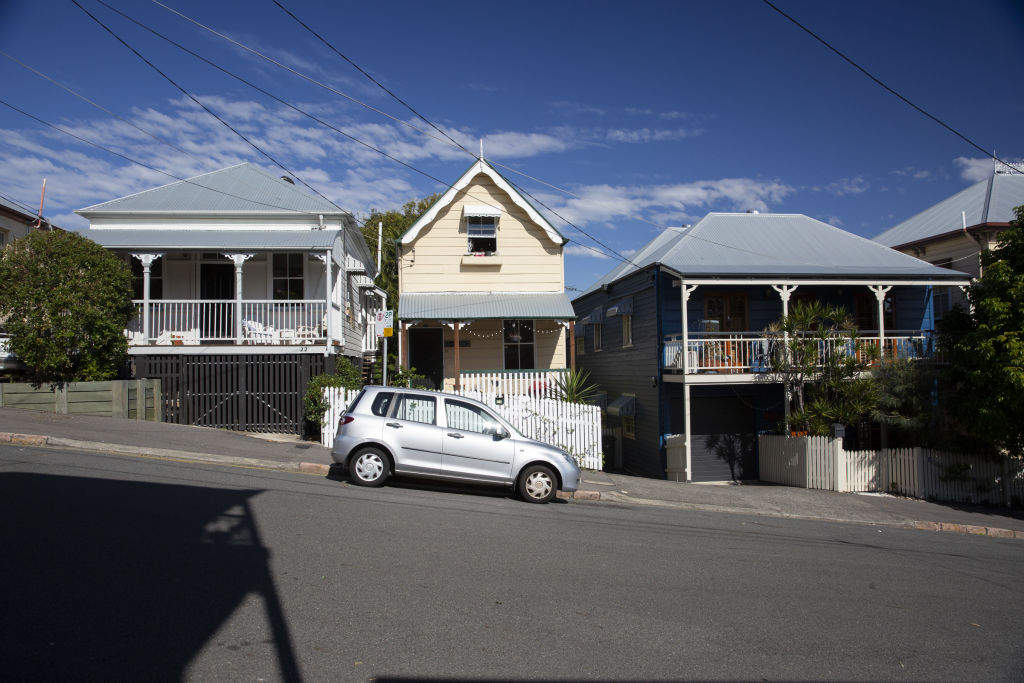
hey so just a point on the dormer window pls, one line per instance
(481, 228)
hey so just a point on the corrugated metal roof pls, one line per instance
(245, 188)
(484, 305)
(987, 201)
(738, 245)
(220, 240)
(647, 255)
(11, 206)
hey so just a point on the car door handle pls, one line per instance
(456, 436)
(393, 424)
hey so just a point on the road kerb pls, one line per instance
(971, 529)
(580, 495)
(23, 439)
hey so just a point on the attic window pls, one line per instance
(481, 228)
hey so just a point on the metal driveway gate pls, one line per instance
(249, 393)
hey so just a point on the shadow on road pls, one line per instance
(119, 580)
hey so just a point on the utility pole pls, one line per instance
(39, 219)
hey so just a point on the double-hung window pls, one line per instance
(481, 229)
(288, 281)
(518, 343)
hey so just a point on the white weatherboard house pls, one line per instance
(481, 284)
(245, 270)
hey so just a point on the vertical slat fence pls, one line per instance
(821, 463)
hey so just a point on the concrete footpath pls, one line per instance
(288, 453)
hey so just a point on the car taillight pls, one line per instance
(345, 420)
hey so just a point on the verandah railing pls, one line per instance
(754, 351)
(217, 321)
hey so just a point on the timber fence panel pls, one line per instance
(862, 471)
(338, 401)
(783, 460)
(820, 463)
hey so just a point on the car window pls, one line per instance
(352, 406)
(417, 409)
(470, 418)
(381, 403)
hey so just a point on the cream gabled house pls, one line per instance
(953, 233)
(481, 284)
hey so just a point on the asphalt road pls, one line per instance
(123, 568)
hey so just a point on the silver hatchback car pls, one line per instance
(429, 434)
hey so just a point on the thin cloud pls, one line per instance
(846, 186)
(666, 204)
(578, 108)
(647, 135)
(579, 250)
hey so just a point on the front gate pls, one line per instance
(249, 393)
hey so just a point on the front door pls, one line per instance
(726, 312)
(472, 445)
(217, 283)
(426, 354)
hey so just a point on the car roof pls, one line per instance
(424, 392)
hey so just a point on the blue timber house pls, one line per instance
(675, 337)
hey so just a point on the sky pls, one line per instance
(618, 119)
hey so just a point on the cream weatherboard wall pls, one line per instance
(486, 344)
(959, 252)
(526, 260)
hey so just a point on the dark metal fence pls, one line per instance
(250, 393)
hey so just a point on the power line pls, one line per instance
(269, 94)
(145, 165)
(100, 107)
(611, 251)
(378, 83)
(282, 101)
(890, 90)
(293, 71)
(20, 205)
(205, 108)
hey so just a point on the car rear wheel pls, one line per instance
(368, 467)
(538, 484)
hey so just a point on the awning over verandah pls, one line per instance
(456, 308)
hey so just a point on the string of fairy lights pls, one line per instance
(501, 331)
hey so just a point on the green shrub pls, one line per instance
(66, 302)
(346, 375)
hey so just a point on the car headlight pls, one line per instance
(569, 458)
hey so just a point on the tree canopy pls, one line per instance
(984, 380)
(66, 302)
(821, 360)
(396, 223)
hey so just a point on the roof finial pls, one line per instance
(481, 149)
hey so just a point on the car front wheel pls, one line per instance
(369, 467)
(538, 484)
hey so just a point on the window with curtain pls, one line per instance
(518, 341)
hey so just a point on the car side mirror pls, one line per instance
(501, 433)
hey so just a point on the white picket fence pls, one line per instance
(574, 427)
(819, 462)
(539, 383)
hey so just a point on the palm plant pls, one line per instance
(575, 386)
